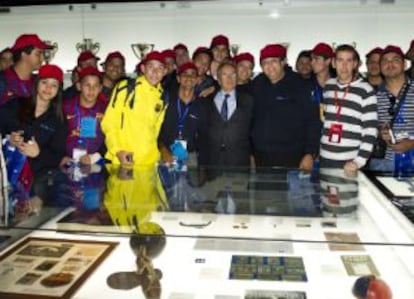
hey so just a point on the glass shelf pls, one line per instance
(201, 221)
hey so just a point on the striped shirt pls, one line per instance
(406, 112)
(74, 113)
(340, 193)
(11, 86)
(354, 107)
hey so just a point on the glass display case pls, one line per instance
(204, 233)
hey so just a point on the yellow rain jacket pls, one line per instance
(133, 123)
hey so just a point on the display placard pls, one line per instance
(49, 268)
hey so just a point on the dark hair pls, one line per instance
(99, 77)
(348, 48)
(207, 52)
(304, 53)
(26, 111)
(17, 55)
(355, 54)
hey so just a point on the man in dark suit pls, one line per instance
(228, 118)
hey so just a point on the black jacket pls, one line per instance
(49, 132)
(227, 143)
(193, 123)
(285, 123)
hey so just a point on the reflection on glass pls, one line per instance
(339, 193)
(118, 199)
(146, 247)
(279, 192)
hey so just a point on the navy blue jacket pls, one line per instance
(285, 123)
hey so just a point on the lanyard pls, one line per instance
(338, 102)
(181, 116)
(84, 140)
(401, 99)
(317, 93)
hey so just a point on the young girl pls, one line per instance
(36, 126)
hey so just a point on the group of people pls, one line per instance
(209, 109)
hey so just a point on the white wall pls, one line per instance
(301, 23)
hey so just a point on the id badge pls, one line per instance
(183, 143)
(335, 133)
(88, 127)
(78, 153)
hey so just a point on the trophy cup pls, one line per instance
(88, 45)
(286, 45)
(141, 49)
(234, 49)
(50, 53)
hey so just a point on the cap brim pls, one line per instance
(44, 47)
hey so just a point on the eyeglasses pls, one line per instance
(391, 110)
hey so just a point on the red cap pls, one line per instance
(180, 46)
(376, 50)
(155, 55)
(274, 50)
(393, 49)
(114, 55)
(244, 56)
(323, 50)
(201, 50)
(168, 53)
(89, 70)
(51, 71)
(138, 67)
(86, 55)
(27, 40)
(186, 66)
(219, 40)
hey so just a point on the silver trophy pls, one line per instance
(88, 45)
(286, 45)
(335, 45)
(141, 49)
(50, 53)
(234, 49)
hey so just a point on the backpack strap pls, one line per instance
(131, 90)
(130, 87)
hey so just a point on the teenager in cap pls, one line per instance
(6, 59)
(245, 65)
(285, 124)
(132, 121)
(113, 71)
(85, 141)
(372, 62)
(18, 81)
(220, 49)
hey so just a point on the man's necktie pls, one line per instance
(224, 108)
